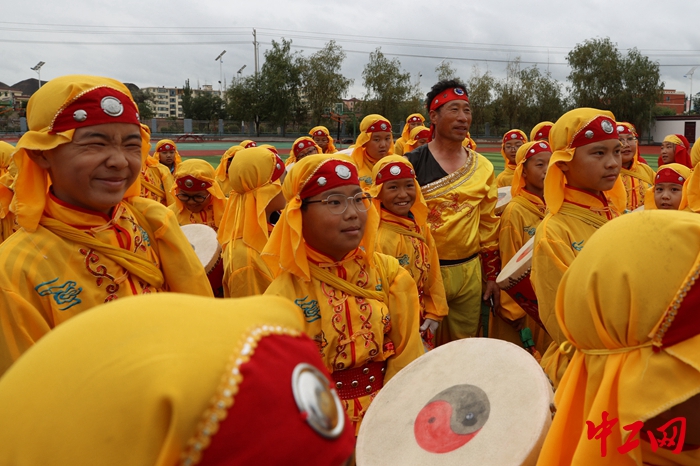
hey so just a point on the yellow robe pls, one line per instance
(8, 222)
(210, 215)
(463, 223)
(518, 224)
(558, 240)
(398, 146)
(419, 256)
(162, 181)
(245, 273)
(505, 178)
(637, 180)
(47, 279)
(351, 331)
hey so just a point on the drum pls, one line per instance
(206, 246)
(479, 401)
(514, 279)
(639, 209)
(504, 198)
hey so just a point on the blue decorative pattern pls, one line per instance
(577, 246)
(310, 308)
(65, 295)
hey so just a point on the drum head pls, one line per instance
(518, 267)
(504, 197)
(478, 401)
(205, 244)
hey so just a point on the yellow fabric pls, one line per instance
(672, 138)
(359, 154)
(129, 383)
(222, 169)
(8, 223)
(32, 182)
(285, 250)
(178, 158)
(6, 151)
(412, 142)
(331, 146)
(613, 305)
(245, 273)
(505, 178)
(351, 331)
(293, 151)
(419, 209)
(539, 126)
(48, 279)
(469, 143)
(400, 144)
(638, 181)
(463, 291)
(685, 172)
(251, 191)
(691, 192)
(558, 240)
(461, 209)
(695, 154)
(517, 181)
(560, 138)
(157, 182)
(212, 213)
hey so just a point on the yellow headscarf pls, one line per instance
(248, 143)
(561, 136)
(222, 169)
(682, 170)
(419, 209)
(469, 143)
(32, 182)
(695, 153)
(6, 151)
(610, 309)
(691, 192)
(286, 248)
(251, 191)
(161, 143)
(412, 140)
(202, 170)
(305, 140)
(331, 146)
(359, 154)
(507, 137)
(166, 379)
(533, 134)
(406, 132)
(520, 158)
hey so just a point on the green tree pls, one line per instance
(144, 101)
(322, 81)
(544, 98)
(387, 86)
(187, 99)
(445, 71)
(207, 106)
(511, 100)
(480, 88)
(281, 85)
(243, 102)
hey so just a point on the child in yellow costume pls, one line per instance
(8, 172)
(167, 154)
(404, 234)
(541, 131)
(584, 191)
(322, 137)
(413, 120)
(669, 189)
(419, 136)
(361, 307)
(222, 169)
(198, 197)
(636, 176)
(87, 237)
(156, 181)
(510, 144)
(256, 193)
(302, 147)
(374, 142)
(519, 222)
(636, 342)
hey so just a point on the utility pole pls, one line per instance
(37, 68)
(255, 50)
(221, 73)
(690, 100)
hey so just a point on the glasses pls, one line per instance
(627, 141)
(198, 198)
(337, 203)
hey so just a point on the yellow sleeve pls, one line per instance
(510, 240)
(181, 268)
(501, 180)
(398, 146)
(247, 281)
(488, 220)
(405, 317)
(435, 298)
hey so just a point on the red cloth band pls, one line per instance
(513, 135)
(681, 318)
(332, 173)
(624, 129)
(320, 133)
(303, 145)
(414, 119)
(278, 171)
(490, 264)
(165, 147)
(601, 128)
(250, 144)
(189, 183)
(394, 171)
(425, 134)
(359, 381)
(96, 107)
(543, 133)
(542, 146)
(456, 93)
(668, 175)
(379, 126)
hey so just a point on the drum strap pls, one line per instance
(152, 188)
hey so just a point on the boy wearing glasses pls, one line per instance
(198, 197)
(636, 176)
(359, 306)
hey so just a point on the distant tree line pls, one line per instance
(293, 91)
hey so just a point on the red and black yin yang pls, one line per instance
(451, 418)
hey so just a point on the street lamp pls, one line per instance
(221, 72)
(37, 68)
(239, 74)
(690, 99)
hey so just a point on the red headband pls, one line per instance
(278, 171)
(601, 128)
(394, 171)
(543, 133)
(250, 144)
(332, 173)
(542, 146)
(669, 175)
(423, 134)
(624, 129)
(320, 133)
(96, 107)
(415, 119)
(379, 126)
(303, 145)
(165, 147)
(456, 93)
(513, 135)
(190, 184)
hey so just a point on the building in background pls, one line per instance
(673, 99)
(167, 101)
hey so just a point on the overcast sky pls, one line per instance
(162, 43)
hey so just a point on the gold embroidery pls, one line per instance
(466, 171)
